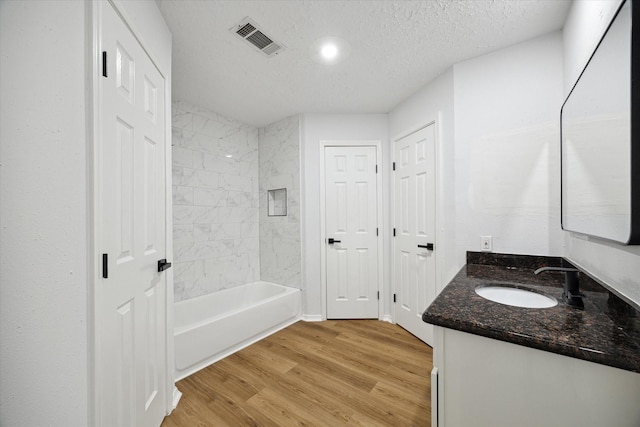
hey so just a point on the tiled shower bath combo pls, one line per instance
(224, 237)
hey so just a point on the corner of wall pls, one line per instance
(279, 167)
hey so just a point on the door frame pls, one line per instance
(94, 257)
(438, 165)
(323, 254)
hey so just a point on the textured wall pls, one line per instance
(280, 235)
(43, 217)
(215, 198)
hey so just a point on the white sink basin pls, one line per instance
(517, 297)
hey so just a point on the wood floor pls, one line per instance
(332, 373)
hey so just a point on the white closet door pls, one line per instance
(351, 241)
(414, 242)
(131, 313)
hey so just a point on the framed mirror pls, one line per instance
(600, 137)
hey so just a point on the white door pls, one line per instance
(131, 302)
(351, 241)
(414, 241)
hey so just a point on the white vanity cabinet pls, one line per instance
(486, 382)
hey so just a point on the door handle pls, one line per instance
(428, 246)
(332, 241)
(163, 265)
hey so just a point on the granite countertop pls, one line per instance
(606, 331)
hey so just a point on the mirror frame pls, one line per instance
(634, 140)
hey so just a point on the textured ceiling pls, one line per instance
(396, 48)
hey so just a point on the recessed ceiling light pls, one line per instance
(329, 50)
(228, 156)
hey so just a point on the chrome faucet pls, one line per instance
(571, 294)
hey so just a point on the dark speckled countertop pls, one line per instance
(606, 331)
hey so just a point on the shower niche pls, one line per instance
(277, 202)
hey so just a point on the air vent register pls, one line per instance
(249, 31)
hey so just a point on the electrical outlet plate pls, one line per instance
(486, 243)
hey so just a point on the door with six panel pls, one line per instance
(351, 242)
(131, 315)
(414, 242)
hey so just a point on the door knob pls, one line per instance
(163, 265)
(428, 246)
(332, 241)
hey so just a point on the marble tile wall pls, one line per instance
(215, 202)
(280, 260)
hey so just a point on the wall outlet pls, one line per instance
(486, 243)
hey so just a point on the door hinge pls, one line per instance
(394, 165)
(376, 168)
(394, 297)
(104, 63)
(394, 232)
(376, 231)
(105, 266)
(378, 295)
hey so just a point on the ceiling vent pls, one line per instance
(251, 32)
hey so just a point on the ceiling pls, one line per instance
(396, 48)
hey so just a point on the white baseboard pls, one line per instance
(177, 394)
(318, 318)
(387, 318)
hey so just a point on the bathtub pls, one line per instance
(213, 326)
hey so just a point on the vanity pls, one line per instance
(501, 365)
(577, 362)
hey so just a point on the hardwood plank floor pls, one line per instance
(332, 373)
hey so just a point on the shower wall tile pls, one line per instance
(236, 183)
(216, 202)
(182, 157)
(209, 196)
(280, 256)
(188, 214)
(243, 199)
(182, 195)
(250, 230)
(183, 272)
(183, 233)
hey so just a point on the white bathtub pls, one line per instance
(213, 326)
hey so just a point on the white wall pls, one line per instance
(45, 327)
(507, 107)
(435, 102)
(43, 214)
(614, 264)
(316, 128)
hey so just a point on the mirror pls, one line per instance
(600, 146)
